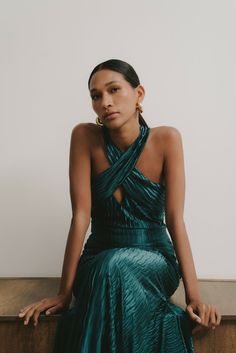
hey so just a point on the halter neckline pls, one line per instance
(142, 130)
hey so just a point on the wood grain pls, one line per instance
(15, 337)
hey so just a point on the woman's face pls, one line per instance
(110, 92)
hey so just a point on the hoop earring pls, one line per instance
(139, 107)
(98, 121)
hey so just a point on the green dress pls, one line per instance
(127, 270)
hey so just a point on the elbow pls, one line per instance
(175, 222)
(81, 217)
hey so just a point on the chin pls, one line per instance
(117, 122)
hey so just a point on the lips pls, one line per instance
(109, 113)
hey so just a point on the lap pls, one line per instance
(126, 265)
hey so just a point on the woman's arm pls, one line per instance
(79, 172)
(80, 193)
(174, 208)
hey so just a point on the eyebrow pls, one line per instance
(108, 83)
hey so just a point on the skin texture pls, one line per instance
(161, 158)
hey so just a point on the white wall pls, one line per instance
(184, 53)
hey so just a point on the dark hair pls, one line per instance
(127, 72)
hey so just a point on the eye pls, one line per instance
(96, 95)
(93, 97)
(115, 88)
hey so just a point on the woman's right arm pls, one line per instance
(80, 193)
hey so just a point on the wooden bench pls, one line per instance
(15, 337)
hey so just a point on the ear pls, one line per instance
(140, 93)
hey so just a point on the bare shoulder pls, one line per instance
(85, 132)
(84, 129)
(165, 132)
(167, 136)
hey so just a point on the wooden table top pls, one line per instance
(17, 292)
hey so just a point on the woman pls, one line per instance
(129, 179)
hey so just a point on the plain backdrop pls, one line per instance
(184, 53)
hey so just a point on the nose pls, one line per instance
(106, 101)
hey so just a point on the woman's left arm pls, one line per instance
(204, 314)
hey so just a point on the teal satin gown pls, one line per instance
(128, 268)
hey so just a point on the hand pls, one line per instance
(51, 304)
(206, 315)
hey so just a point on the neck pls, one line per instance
(124, 136)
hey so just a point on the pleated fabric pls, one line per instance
(127, 270)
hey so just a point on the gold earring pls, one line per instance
(139, 107)
(98, 121)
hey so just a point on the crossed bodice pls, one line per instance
(144, 199)
(139, 219)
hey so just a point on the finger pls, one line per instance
(194, 316)
(207, 315)
(30, 309)
(218, 318)
(36, 316)
(53, 309)
(24, 311)
(38, 311)
(202, 309)
(25, 308)
(29, 314)
(22, 315)
(212, 319)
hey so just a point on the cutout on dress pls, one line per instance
(120, 192)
